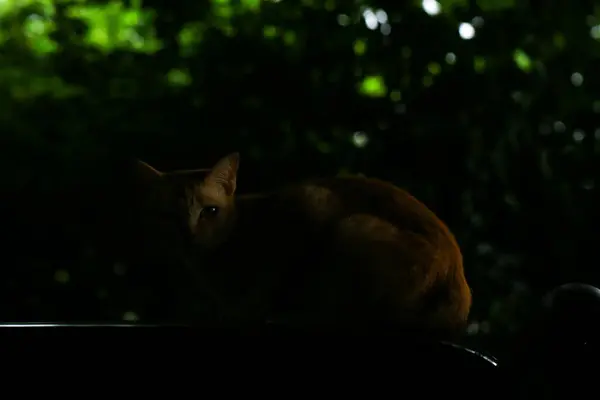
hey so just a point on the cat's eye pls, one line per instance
(209, 211)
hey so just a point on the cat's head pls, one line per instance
(202, 200)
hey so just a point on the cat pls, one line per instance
(348, 253)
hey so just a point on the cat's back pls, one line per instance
(348, 214)
(330, 200)
(371, 245)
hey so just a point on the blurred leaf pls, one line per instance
(179, 77)
(449, 5)
(289, 38)
(479, 64)
(190, 37)
(373, 86)
(112, 26)
(360, 46)
(522, 60)
(270, 31)
(434, 68)
(559, 40)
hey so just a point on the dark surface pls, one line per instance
(382, 360)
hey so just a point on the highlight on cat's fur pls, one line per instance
(344, 251)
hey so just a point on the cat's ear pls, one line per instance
(146, 172)
(224, 173)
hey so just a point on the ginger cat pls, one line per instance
(341, 253)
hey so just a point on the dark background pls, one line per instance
(498, 133)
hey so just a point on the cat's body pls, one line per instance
(351, 253)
